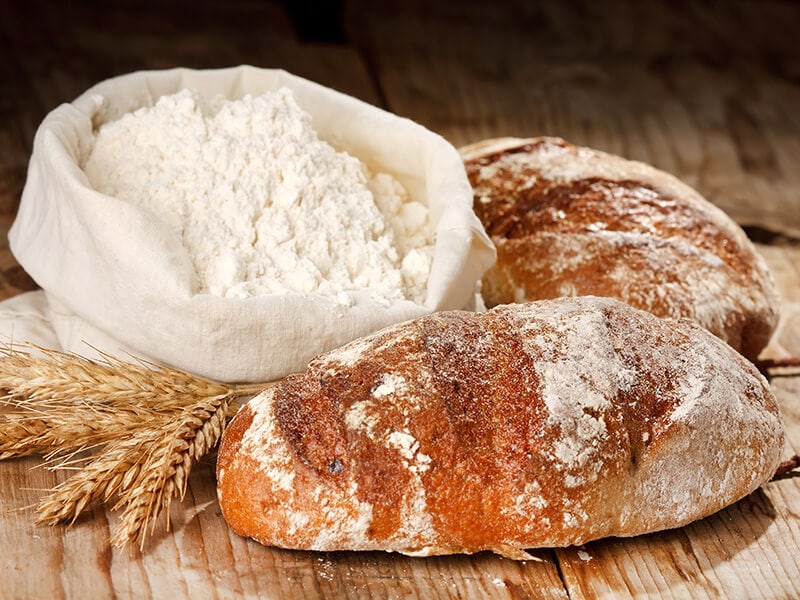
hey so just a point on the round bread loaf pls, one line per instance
(534, 425)
(571, 221)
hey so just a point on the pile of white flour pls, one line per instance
(261, 204)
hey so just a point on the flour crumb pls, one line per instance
(261, 204)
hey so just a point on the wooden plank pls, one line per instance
(708, 110)
(203, 557)
(87, 45)
(744, 551)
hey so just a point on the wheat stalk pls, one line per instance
(128, 430)
(166, 473)
(55, 428)
(22, 436)
(108, 473)
(34, 374)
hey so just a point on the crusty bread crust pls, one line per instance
(535, 425)
(573, 221)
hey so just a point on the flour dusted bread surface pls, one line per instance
(533, 425)
(569, 221)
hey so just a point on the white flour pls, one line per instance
(262, 205)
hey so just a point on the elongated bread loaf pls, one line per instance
(535, 425)
(573, 221)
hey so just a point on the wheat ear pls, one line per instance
(166, 472)
(128, 430)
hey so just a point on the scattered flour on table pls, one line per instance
(261, 204)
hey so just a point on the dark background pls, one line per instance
(707, 90)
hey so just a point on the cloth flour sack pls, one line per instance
(116, 278)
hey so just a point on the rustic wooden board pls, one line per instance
(719, 113)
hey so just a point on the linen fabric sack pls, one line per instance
(117, 279)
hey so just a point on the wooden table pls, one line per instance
(708, 91)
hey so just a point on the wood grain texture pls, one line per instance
(670, 83)
(202, 558)
(708, 91)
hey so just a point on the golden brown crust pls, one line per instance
(574, 221)
(537, 425)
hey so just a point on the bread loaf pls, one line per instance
(573, 221)
(534, 425)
